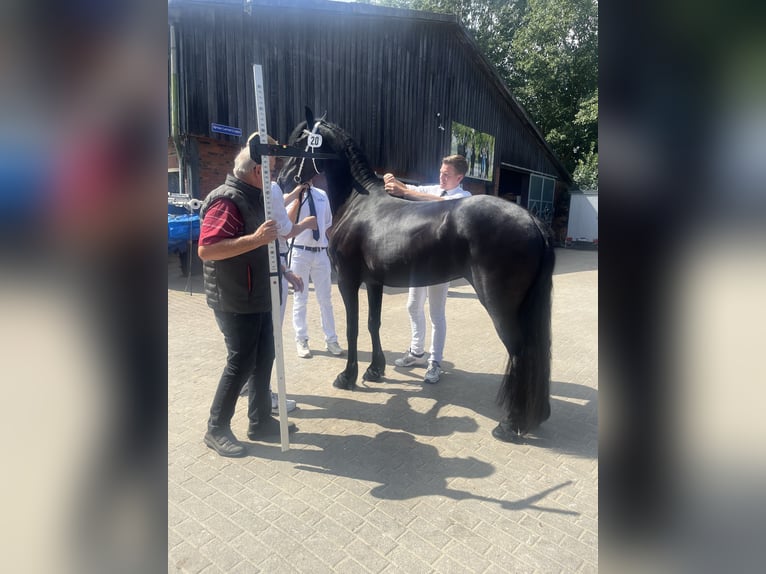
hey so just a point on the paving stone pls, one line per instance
(397, 476)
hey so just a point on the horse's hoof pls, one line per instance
(341, 382)
(373, 374)
(505, 433)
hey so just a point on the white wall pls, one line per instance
(583, 217)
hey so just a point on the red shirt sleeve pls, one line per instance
(222, 221)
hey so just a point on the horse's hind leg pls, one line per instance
(509, 331)
(523, 324)
(503, 306)
(377, 368)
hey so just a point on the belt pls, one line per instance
(312, 249)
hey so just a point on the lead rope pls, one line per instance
(292, 239)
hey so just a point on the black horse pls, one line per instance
(500, 248)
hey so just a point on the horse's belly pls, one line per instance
(398, 274)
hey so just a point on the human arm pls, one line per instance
(231, 247)
(309, 222)
(293, 203)
(285, 217)
(398, 189)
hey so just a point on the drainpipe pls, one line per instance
(174, 128)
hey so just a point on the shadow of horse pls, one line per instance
(572, 428)
(423, 472)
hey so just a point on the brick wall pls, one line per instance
(216, 159)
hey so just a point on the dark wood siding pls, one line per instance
(381, 77)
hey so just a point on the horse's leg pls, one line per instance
(504, 312)
(522, 321)
(377, 368)
(349, 290)
(509, 428)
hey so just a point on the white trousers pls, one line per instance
(437, 302)
(315, 265)
(282, 307)
(285, 287)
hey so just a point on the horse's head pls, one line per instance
(298, 170)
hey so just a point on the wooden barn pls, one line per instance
(410, 87)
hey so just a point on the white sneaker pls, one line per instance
(410, 360)
(334, 348)
(291, 404)
(432, 373)
(303, 349)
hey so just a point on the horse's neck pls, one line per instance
(367, 183)
(361, 173)
(360, 179)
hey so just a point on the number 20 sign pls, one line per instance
(315, 140)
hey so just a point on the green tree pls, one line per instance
(585, 173)
(546, 51)
(554, 56)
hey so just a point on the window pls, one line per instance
(541, 197)
(173, 182)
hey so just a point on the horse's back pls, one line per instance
(502, 237)
(489, 218)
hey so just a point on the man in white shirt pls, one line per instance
(285, 230)
(309, 259)
(451, 174)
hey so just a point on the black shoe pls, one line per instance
(224, 443)
(267, 428)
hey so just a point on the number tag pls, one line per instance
(315, 140)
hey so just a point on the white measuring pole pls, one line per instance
(276, 315)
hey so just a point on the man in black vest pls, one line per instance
(233, 245)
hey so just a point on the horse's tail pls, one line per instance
(525, 389)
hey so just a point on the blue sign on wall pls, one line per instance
(228, 130)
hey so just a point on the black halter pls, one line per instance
(313, 156)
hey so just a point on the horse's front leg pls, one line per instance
(377, 368)
(350, 293)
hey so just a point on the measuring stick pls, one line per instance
(276, 315)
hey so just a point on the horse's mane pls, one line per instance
(359, 166)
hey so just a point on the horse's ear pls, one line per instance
(324, 116)
(309, 118)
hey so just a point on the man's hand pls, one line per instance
(266, 233)
(294, 280)
(394, 186)
(296, 193)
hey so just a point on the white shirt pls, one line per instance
(279, 215)
(324, 219)
(454, 193)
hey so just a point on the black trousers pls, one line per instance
(250, 346)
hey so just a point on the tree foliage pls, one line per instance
(546, 51)
(555, 73)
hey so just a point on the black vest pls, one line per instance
(239, 284)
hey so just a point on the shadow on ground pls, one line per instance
(379, 459)
(572, 428)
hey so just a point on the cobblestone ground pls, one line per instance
(396, 476)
